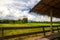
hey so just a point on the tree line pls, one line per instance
(24, 20)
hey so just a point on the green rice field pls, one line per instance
(22, 31)
(27, 24)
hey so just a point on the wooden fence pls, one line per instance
(25, 34)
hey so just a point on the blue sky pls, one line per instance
(17, 9)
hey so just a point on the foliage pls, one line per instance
(24, 20)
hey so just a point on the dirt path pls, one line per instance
(36, 38)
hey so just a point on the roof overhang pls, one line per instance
(44, 7)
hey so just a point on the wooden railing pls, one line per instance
(25, 34)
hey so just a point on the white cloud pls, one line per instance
(16, 9)
(13, 8)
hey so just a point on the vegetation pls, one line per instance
(24, 20)
(24, 23)
(27, 24)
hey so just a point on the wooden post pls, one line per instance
(51, 28)
(2, 33)
(58, 28)
(44, 32)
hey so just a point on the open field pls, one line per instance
(22, 31)
(27, 24)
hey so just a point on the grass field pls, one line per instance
(21, 31)
(27, 24)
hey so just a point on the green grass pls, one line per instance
(26, 24)
(22, 31)
(11, 32)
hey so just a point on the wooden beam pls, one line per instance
(51, 28)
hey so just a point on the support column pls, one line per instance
(51, 28)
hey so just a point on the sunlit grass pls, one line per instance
(26, 24)
(14, 32)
